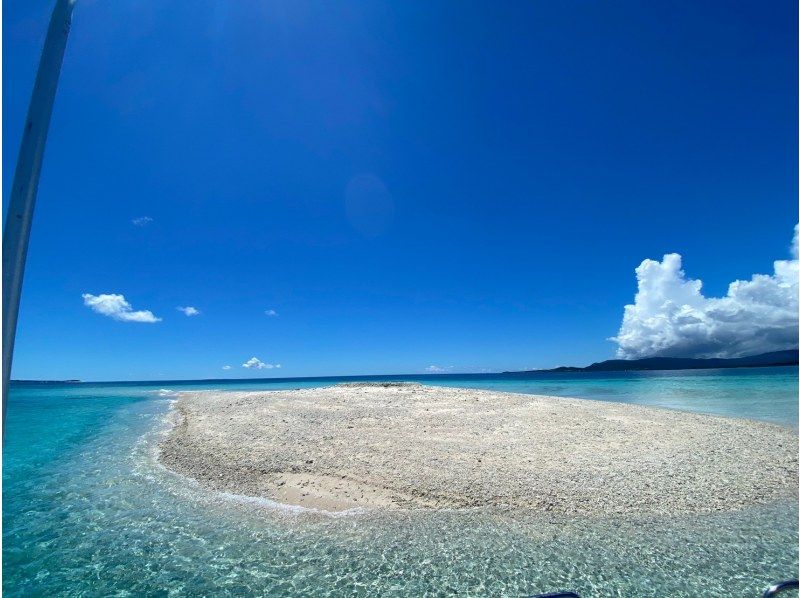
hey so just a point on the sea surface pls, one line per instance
(88, 511)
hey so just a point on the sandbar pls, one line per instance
(409, 446)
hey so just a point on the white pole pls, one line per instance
(26, 179)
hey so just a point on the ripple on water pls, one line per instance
(102, 518)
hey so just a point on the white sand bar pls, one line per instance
(413, 446)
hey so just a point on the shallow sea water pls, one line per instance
(88, 511)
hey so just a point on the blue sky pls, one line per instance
(460, 184)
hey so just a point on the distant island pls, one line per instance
(45, 381)
(775, 358)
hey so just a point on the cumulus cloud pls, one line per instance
(142, 221)
(271, 313)
(670, 315)
(437, 369)
(226, 367)
(116, 307)
(189, 310)
(256, 364)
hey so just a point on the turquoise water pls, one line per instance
(87, 511)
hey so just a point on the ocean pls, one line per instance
(88, 511)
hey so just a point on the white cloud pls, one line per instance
(189, 310)
(142, 221)
(670, 315)
(271, 313)
(115, 306)
(256, 364)
(437, 369)
(226, 367)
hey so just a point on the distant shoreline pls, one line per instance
(46, 381)
(376, 377)
(772, 359)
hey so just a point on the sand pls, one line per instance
(410, 446)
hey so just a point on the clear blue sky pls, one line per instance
(463, 184)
